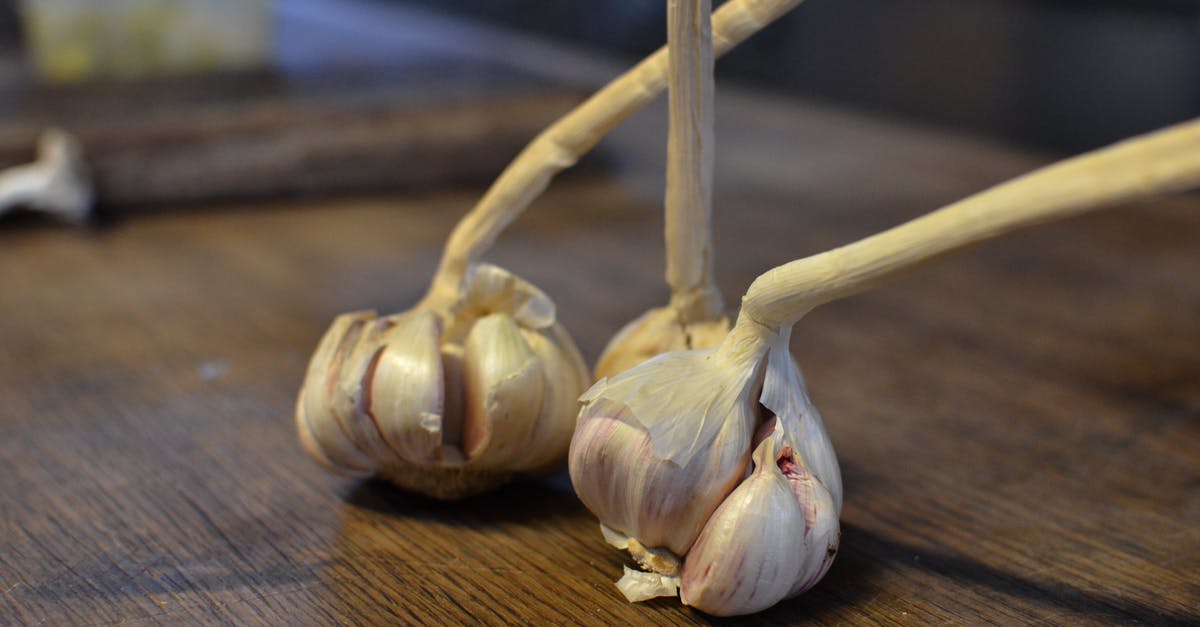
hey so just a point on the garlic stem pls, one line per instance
(1164, 161)
(694, 293)
(561, 144)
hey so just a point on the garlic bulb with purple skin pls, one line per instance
(662, 456)
(445, 403)
(782, 526)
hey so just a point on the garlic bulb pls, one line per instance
(662, 454)
(645, 435)
(446, 403)
(662, 458)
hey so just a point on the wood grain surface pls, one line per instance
(1018, 425)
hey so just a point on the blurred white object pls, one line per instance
(57, 183)
(76, 39)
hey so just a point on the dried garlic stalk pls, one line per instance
(695, 317)
(736, 505)
(477, 381)
(560, 146)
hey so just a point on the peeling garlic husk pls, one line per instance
(445, 402)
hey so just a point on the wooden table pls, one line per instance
(1018, 425)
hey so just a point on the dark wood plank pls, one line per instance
(167, 142)
(1019, 425)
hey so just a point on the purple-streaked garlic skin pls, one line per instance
(321, 432)
(774, 537)
(447, 409)
(658, 502)
(659, 446)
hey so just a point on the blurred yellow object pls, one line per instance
(71, 40)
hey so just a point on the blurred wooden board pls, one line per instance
(1018, 426)
(359, 96)
(162, 143)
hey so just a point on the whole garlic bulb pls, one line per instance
(662, 454)
(447, 403)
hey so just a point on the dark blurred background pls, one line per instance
(1057, 74)
(178, 101)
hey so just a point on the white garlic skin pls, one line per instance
(445, 409)
(660, 330)
(660, 503)
(774, 537)
(663, 432)
(657, 447)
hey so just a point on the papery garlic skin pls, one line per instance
(774, 537)
(659, 446)
(449, 402)
(660, 330)
(786, 396)
(660, 456)
(658, 502)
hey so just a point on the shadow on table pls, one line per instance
(969, 572)
(522, 500)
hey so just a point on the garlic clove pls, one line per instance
(503, 386)
(351, 392)
(772, 538)
(565, 377)
(405, 389)
(786, 396)
(321, 432)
